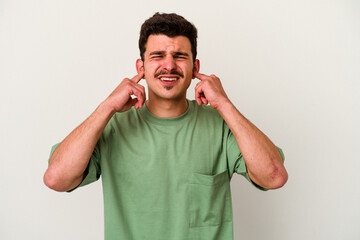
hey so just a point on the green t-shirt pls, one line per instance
(167, 178)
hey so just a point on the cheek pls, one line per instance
(151, 68)
(188, 69)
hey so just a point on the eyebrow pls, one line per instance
(157, 53)
(163, 53)
(181, 54)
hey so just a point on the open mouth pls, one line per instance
(169, 80)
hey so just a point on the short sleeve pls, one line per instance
(93, 170)
(236, 160)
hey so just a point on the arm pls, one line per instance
(69, 161)
(263, 160)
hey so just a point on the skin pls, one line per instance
(165, 57)
(263, 160)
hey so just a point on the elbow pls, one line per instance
(279, 178)
(60, 183)
(51, 182)
(273, 179)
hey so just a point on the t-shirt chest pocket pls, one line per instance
(210, 199)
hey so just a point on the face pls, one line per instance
(168, 66)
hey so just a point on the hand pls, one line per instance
(120, 99)
(210, 90)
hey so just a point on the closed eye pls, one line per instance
(181, 55)
(157, 54)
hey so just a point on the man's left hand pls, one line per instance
(210, 90)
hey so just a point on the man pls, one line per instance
(166, 162)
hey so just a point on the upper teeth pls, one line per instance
(168, 79)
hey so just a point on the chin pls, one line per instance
(169, 96)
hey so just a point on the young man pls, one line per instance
(166, 162)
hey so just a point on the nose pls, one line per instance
(169, 63)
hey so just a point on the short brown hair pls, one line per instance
(171, 25)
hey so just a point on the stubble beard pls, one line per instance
(168, 87)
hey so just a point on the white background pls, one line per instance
(291, 67)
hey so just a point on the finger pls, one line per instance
(203, 99)
(140, 96)
(138, 87)
(132, 102)
(140, 101)
(198, 99)
(136, 90)
(199, 95)
(138, 77)
(200, 76)
(136, 103)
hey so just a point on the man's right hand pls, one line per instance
(120, 99)
(68, 163)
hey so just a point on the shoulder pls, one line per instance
(125, 117)
(122, 122)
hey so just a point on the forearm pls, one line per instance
(69, 161)
(263, 160)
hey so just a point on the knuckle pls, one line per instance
(128, 84)
(135, 91)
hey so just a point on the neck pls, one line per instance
(165, 108)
